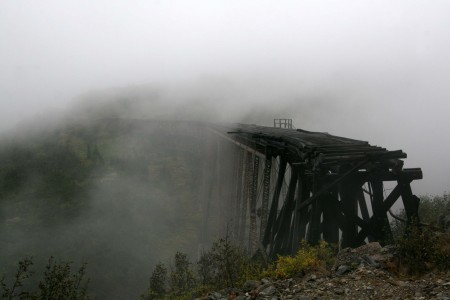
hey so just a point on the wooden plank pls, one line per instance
(406, 175)
(243, 146)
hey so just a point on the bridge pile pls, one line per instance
(290, 185)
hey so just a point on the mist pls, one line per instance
(373, 71)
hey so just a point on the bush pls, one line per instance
(226, 265)
(58, 282)
(308, 258)
(423, 250)
(182, 278)
(158, 281)
(431, 210)
(16, 289)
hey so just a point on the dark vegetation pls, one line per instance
(118, 194)
(58, 282)
(424, 247)
(418, 249)
(226, 265)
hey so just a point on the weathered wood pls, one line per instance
(382, 227)
(268, 235)
(245, 195)
(336, 181)
(410, 203)
(266, 195)
(238, 196)
(295, 240)
(406, 175)
(314, 229)
(253, 235)
(372, 227)
(348, 191)
(330, 223)
(281, 230)
(339, 167)
(363, 205)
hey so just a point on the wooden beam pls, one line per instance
(266, 195)
(243, 146)
(371, 227)
(284, 220)
(336, 181)
(238, 196)
(268, 235)
(410, 202)
(253, 234)
(330, 223)
(349, 204)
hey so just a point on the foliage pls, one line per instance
(55, 184)
(58, 282)
(16, 291)
(226, 265)
(422, 250)
(158, 282)
(308, 258)
(181, 284)
(431, 208)
(425, 248)
(182, 277)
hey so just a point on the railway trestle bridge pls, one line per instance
(274, 187)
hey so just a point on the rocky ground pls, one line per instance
(361, 273)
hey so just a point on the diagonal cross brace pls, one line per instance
(327, 187)
(387, 204)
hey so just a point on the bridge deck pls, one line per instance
(314, 148)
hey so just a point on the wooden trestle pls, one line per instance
(289, 185)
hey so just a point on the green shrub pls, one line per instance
(158, 280)
(431, 210)
(182, 278)
(226, 265)
(16, 289)
(58, 282)
(308, 258)
(422, 250)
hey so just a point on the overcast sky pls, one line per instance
(372, 70)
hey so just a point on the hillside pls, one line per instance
(119, 194)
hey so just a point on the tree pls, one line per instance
(157, 283)
(182, 278)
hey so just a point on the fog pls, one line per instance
(376, 71)
(372, 70)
